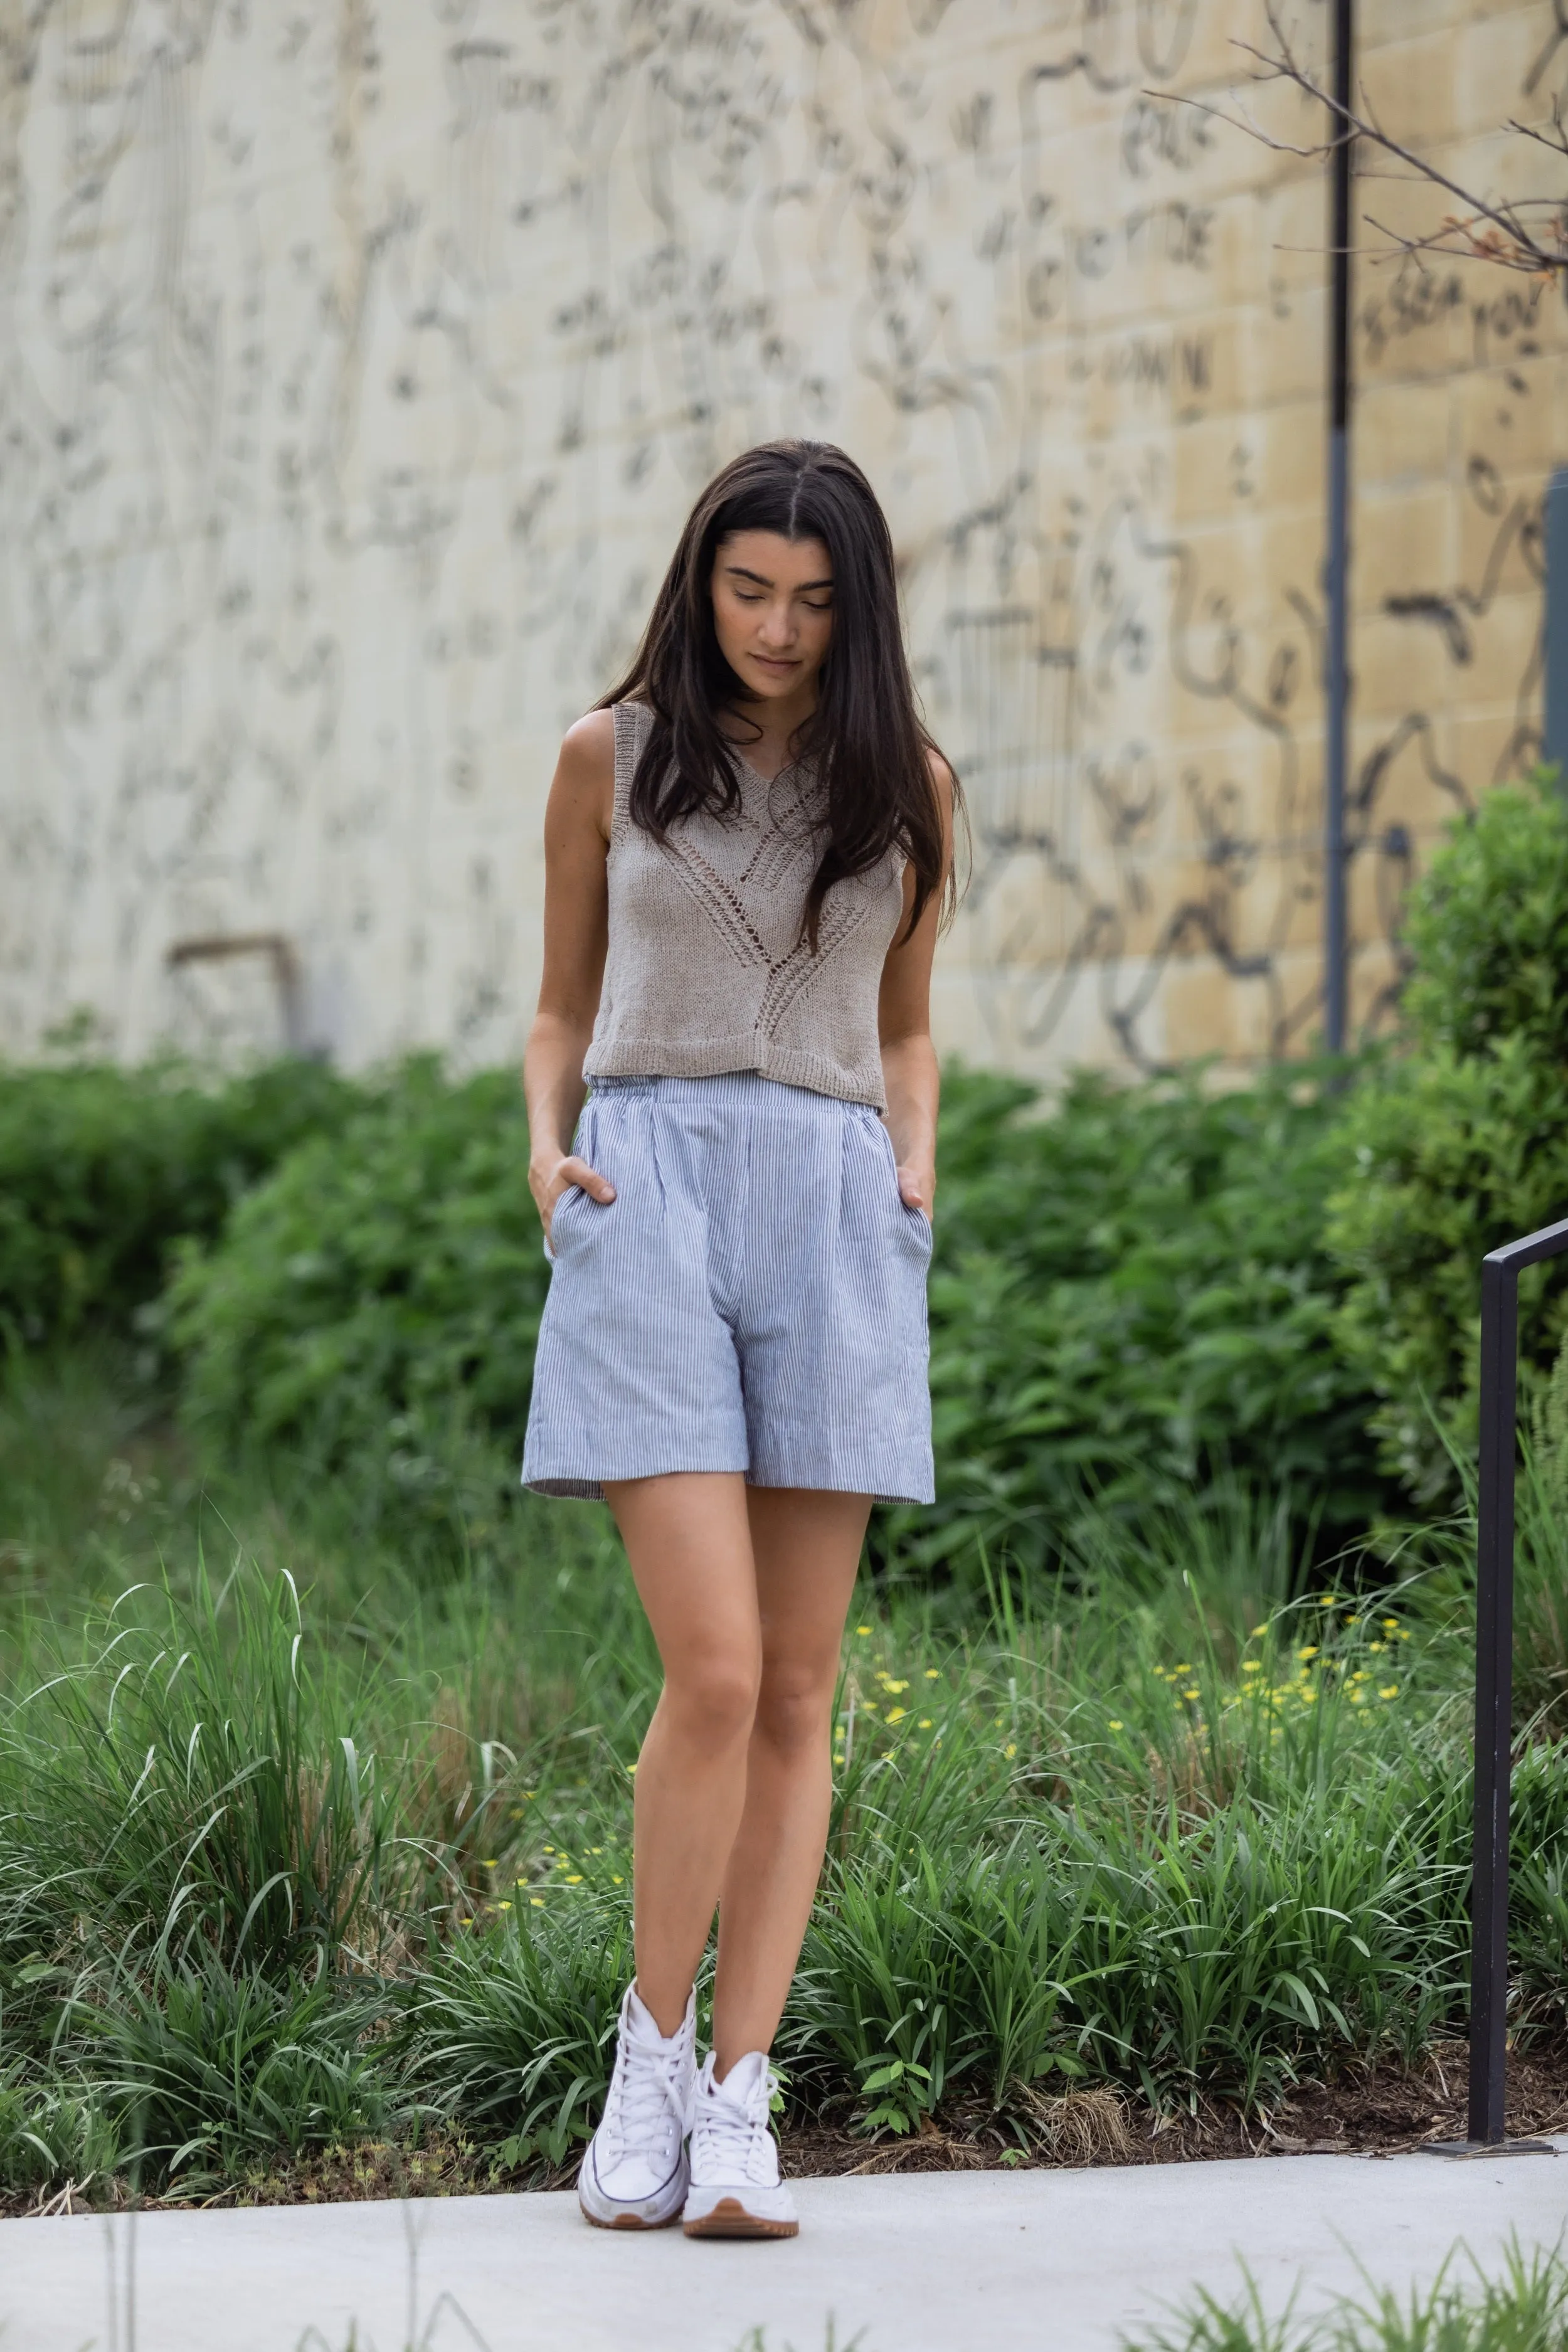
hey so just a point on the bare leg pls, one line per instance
(807, 1546)
(689, 1545)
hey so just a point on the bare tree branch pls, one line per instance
(1499, 233)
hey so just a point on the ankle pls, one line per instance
(668, 2015)
(727, 2055)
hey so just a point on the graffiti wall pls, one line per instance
(358, 364)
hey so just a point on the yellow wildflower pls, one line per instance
(1115, 1723)
(575, 1879)
(932, 1675)
(1389, 1690)
(1011, 1749)
(864, 1632)
(1251, 1666)
(925, 1723)
(897, 1714)
(1309, 1651)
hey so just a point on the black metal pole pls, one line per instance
(1501, 1270)
(1494, 1701)
(1336, 661)
(1554, 745)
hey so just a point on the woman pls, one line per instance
(747, 852)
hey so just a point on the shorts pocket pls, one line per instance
(557, 1233)
(917, 1217)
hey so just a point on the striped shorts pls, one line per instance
(753, 1299)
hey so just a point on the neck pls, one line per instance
(780, 718)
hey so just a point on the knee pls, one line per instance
(713, 1701)
(793, 1704)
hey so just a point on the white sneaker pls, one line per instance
(735, 2189)
(635, 2174)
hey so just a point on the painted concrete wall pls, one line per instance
(358, 363)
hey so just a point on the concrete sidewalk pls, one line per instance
(1035, 2262)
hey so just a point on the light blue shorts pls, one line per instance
(753, 1299)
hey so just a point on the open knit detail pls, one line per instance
(706, 970)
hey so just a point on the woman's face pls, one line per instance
(773, 610)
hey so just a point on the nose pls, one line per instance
(778, 625)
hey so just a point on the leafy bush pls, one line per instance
(102, 1169)
(1129, 1293)
(380, 1278)
(1132, 1294)
(1463, 1144)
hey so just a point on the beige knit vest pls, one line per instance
(706, 970)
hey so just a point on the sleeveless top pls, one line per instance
(706, 970)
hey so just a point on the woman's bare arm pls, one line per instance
(576, 926)
(910, 1069)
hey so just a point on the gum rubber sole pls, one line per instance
(729, 2219)
(625, 2221)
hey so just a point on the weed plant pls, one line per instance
(1524, 2308)
(302, 1844)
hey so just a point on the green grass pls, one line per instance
(314, 1822)
(1522, 2309)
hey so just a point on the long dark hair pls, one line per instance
(865, 738)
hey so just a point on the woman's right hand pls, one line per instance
(548, 1178)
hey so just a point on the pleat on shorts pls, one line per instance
(753, 1299)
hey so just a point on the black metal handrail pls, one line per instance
(1494, 1673)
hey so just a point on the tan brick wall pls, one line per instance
(358, 365)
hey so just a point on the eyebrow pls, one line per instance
(807, 587)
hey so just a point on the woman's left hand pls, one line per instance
(917, 1185)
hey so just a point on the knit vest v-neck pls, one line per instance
(706, 970)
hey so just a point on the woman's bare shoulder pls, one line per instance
(941, 776)
(588, 748)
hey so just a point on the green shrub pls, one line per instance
(102, 1169)
(1132, 1294)
(381, 1277)
(1462, 1144)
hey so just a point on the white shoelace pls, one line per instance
(645, 2107)
(731, 2139)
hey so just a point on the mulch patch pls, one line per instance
(1377, 2110)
